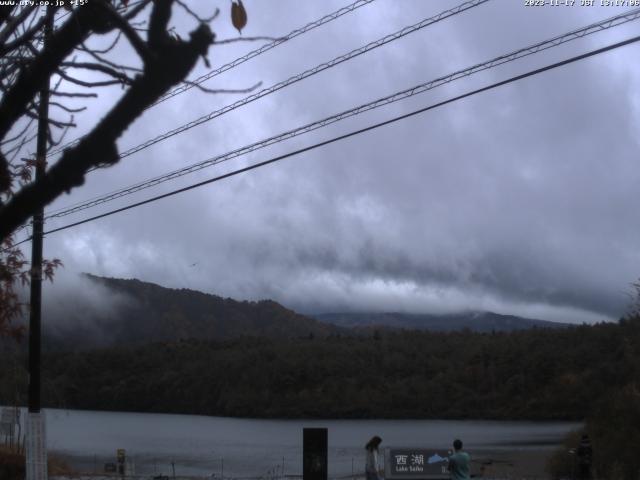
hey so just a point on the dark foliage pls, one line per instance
(535, 374)
(613, 430)
(12, 465)
(474, 320)
(616, 438)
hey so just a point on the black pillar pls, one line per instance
(314, 454)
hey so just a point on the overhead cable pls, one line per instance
(248, 56)
(349, 135)
(421, 88)
(264, 48)
(306, 74)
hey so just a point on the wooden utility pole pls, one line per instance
(35, 309)
(36, 457)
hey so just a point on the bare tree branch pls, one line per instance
(106, 50)
(5, 12)
(196, 16)
(84, 83)
(55, 123)
(23, 38)
(136, 10)
(67, 109)
(13, 23)
(99, 68)
(136, 42)
(96, 54)
(169, 63)
(16, 149)
(74, 94)
(55, 143)
(158, 25)
(16, 137)
(62, 42)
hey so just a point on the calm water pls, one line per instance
(200, 445)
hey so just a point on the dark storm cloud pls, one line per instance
(519, 200)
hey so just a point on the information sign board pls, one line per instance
(415, 463)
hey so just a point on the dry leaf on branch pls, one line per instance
(238, 15)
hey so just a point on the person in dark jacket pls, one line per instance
(585, 457)
(459, 462)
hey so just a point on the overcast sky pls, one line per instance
(522, 200)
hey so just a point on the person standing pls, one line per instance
(371, 463)
(459, 462)
(585, 456)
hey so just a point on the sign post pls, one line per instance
(121, 456)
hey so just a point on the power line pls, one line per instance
(421, 88)
(264, 48)
(244, 58)
(351, 134)
(306, 74)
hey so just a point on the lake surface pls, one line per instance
(200, 445)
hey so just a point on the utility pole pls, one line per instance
(36, 457)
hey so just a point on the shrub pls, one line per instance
(615, 436)
(562, 463)
(12, 465)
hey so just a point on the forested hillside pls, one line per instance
(143, 312)
(534, 374)
(476, 321)
(104, 312)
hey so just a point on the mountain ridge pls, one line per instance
(103, 312)
(145, 312)
(474, 320)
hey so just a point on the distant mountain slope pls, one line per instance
(474, 321)
(132, 312)
(103, 312)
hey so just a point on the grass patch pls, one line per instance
(12, 465)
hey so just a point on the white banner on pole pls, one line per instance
(36, 440)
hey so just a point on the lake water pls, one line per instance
(199, 445)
